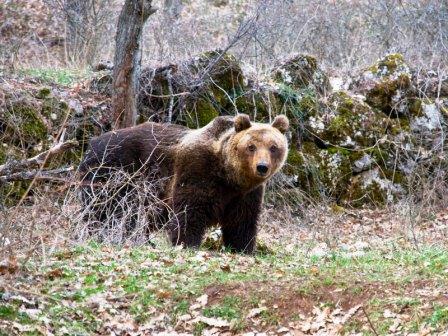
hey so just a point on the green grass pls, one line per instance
(147, 282)
(229, 309)
(65, 77)
(439, 317)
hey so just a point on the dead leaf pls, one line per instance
(388, 314)
(54, 273)
(185, 317)
(9, 265)
(202, 300)
(256, 311)
(213, 322)
(162, 294)
(225, 267)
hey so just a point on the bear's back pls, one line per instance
(132, 147)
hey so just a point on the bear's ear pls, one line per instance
(242, 122)
(281, 123)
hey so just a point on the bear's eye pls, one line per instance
(251, 148)
(273, 148)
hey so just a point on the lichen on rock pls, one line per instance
(24, 123)
(302, 71)
(345, 121)
(387, 85)
(194, 91)
(372, 187)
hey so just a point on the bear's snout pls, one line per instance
(262, 168)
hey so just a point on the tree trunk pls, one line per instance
(127, 60)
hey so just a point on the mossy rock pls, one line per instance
(43, 93)
(201, 114)
(11, 193)
(3, 156)
(24, 123)
(319, 171)
(389, 95)
(212, 82)
(374, 187)
(55, 111)
(218, 68)
(387, 86)
(345, 121)
(389, 65)
(302, 71)
(262, 104)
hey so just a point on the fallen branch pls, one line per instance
(370, 322)
(12, 167)
(37, 174)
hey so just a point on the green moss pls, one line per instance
(395, 126)
(339, 150)
(55, 110)
(344, 118)
(26, 123)
(395, 176)
(302, 72)
(387, 65)
(13, 192)
(320, 171)
(380, 155)
(202, 114)
(294, 161)
(43, 93)
(393, 78)
(2, 154)
(416, 107)
(391, 62)
(226, 73)
(380, 96)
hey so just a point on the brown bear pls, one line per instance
(214, 175)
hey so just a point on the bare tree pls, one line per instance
(128, 59)
(87, 25)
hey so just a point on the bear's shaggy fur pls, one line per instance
(215, 175)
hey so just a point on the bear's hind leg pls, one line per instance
(193, 216)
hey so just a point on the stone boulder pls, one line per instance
(387, 86)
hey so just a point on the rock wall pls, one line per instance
(354, 141)
(355, 146)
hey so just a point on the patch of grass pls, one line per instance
(169, 281)
(11, 313)
(270, 317)
(229, 309)
(181, 307)
(199, 328)
(66, 77)
(7, 312)
(408, 302)
(439, 317)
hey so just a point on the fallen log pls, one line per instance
(37, 174)
(16, 166)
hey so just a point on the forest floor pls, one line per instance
(362, 272)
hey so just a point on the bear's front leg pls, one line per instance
(193, 214)
(239, 221)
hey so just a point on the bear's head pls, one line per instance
(255, 151)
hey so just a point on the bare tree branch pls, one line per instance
(12, 167)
